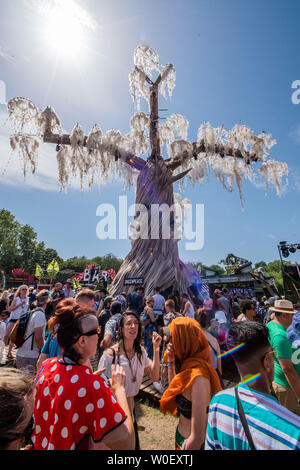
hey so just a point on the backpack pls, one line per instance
(18, 332)
(101, 313)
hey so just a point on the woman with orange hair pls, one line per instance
(192, 382)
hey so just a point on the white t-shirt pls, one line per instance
(37, 320)
(159, 303)
(220, 316)
(191, 311)
(138, 369)
(18, 312)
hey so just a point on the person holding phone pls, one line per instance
(132, 356)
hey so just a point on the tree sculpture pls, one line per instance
(229, 153)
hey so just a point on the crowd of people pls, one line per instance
(61, 401)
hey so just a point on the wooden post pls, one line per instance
(154, 122)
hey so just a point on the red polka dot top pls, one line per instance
(71, 404)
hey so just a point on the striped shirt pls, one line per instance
(272, 426)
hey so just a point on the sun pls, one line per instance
(63, 32)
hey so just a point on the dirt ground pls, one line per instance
(156, 431)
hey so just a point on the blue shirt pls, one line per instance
(51, 347)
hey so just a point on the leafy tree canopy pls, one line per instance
(19, 248)
(218, 268)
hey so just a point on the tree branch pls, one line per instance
(146, 76)
(218, 149)
(132, 160)
(180, 176)
(164, 72)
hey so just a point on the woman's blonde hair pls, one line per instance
(4, 295)
(149, 299)
(17, 294)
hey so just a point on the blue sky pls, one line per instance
(235, 62)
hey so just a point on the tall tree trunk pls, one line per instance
(155, 260)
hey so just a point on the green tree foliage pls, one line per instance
(76, 264)
(218, 268)
(260, 264)
(9, 238)
(19, 248)
(273, 269)
(27, 248)
(275, 266)
(108, 262)
(49, 255)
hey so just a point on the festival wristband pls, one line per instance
(155, 349)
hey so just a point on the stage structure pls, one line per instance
(97, 157)
(290, 272)
(240, 279)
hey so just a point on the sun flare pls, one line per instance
(64, 32)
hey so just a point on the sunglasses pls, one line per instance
(97, 331)
(131, 323)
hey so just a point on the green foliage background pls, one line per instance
(19, 248)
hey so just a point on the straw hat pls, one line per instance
(283, 306)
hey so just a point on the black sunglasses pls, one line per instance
(97, 331)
